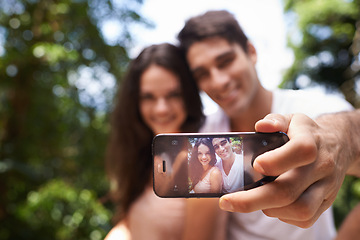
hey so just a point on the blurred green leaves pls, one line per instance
(71, 213)
(54, 53)
(325, 44)
(58, 78)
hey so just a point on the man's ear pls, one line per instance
(251, 52)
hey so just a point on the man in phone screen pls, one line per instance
(231, 165)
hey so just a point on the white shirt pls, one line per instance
(256, 225)
(234, 181)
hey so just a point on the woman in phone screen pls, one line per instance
(157, 95)
(205, 177)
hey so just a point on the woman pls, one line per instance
(205, 177)
(158, 95)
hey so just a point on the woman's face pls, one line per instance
(161, 104)
(204, 155)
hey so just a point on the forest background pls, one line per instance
(54, 126)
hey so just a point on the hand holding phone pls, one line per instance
(209, 165)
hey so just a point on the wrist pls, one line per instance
(342, 132)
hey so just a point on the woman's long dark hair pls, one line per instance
(128, 159)
(195, 167)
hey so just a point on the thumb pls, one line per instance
(273, 123)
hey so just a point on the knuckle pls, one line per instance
(286, 194)
(309, 150)
(305, 224)
(327, 165)
(304, 213)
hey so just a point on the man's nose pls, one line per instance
(219, 79)
(221, 148)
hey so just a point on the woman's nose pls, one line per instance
(161, 105)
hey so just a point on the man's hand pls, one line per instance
(309, 168)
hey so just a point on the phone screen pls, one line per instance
(209, 165)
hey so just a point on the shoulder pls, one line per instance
(215, 172)
(120, 231)
(309, 102)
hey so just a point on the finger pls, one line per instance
(285, 190)
(310, 222)
(273, 123)
(308, 207)
(303, 209)
(299, 151)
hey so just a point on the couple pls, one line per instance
(209, 175)
(155, 98)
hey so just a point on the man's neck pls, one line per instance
(258, 109)
(227, 164)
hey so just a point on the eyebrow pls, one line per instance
(218, 58)
(225, 54)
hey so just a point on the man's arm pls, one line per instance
(346, 126)
(349, 229)
(311, 167)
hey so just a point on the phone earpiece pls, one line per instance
(164, 166)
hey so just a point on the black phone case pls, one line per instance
(171, 160)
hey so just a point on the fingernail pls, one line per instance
(270, 120)
(226, 205)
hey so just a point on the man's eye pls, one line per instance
(225, 62)
(223, 143)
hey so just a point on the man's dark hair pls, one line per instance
(212, 24)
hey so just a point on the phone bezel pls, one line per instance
(281, 135)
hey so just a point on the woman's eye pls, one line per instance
(174, 95)
(146, 97)
(199, 76)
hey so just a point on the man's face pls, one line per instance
(222, 148)
(225, 72)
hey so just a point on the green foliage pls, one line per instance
(59, 211)
(236, 144)
(347, 198)
(323, 45)
(51, 125)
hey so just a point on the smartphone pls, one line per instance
(209, 165)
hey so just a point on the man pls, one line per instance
(223, 61)
(231, 165)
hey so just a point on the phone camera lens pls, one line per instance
(264, 143)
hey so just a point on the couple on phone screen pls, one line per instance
(209, 175)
